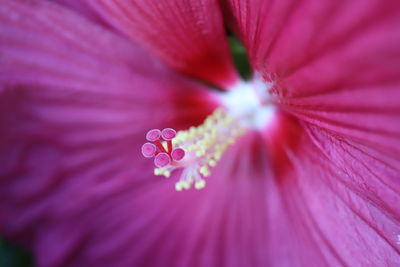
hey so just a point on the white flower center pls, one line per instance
(244, 102)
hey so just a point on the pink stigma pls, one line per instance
(163, 151)
(162, 159)
(178, 154)
(153, 135)
(149, 150)
(168, 134)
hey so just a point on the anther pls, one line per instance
(200, 184)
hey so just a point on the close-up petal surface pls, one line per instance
(73, 119)
(188, 35)
(334, 66)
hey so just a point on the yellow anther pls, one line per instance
(199, 143)
(212, 163)
(205, 171)
(163, 172)
(178, 186)
(217, 113)
(192, 130)
(208, 123)
(200, 153)
(181, 135)
(186, 185)
(200, 184)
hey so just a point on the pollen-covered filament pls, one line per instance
(195, 150)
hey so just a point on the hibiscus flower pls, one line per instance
(309, 174)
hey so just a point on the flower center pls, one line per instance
(247, 102)
(199, 149)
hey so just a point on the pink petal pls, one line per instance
(187, 35)
(340, 204)
(283, 37)
(335, 66)
(80, 7)
(337, 205)
(75, 106)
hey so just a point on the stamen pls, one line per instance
(195, 150)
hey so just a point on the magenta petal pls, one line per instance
(75, 106)
(342, 203)
(187, 35)
(283, 37)
(336, 70)
(80, 7)
(348, 84)
(335, 64)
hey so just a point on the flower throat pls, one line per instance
(197, 150)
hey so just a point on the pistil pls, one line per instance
(195, 150)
